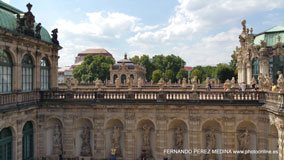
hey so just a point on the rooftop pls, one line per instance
(95, 51)
(270, 36)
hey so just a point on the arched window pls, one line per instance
(5, 72)
(28, 142)
(44, 74)
(131, 76)
(6, 144)
(255, 68)
(27, 73)
(123, 79)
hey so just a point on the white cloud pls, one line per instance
(6, 1)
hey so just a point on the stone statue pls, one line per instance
(261, 80)
(233, 82)
(37, 31)
(129, 82)
(183, 85)
(86, 145)
(210, 143)
(146, 145)
(57, 140)
(267, 83)
(54, 36)
(29, 20)
(69, 84)
(161, 83)
(146, 135)
(210, 138)
(20, 23)
(116, 140)
(244, 139)
(244, 144)
(179, 138)
(280, 82)
(98, 84)
(194, 83)
(139, 82)
(117, 83)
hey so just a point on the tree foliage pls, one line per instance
(224, 72)
(168, 66)
(93, 67)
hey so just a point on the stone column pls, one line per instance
(130, 139)
(67, 137)
(54, 71)
(36, 84)
(99, 137)
(161, 137)
(195, 136)
(249, 72)
(264, 66)
(228, 136)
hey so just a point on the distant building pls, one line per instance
(91, 51)
(66, 72)
(124, 69)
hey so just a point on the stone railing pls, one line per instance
(275, 101)
(20, 98)
(156, 96)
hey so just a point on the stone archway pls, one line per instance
(114, 138)
(145, 140)
(246, 139)
(84, 140)
(212, 139)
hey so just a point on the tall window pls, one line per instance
(5, 72)
(255, 68)
(27, 73)
(28, 143)
(44, 74)
(6, 144)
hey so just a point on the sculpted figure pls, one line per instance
(233, 82)
(139, 82)
(54, 36)
(129, 82)
(261, 80)
(280, 83)
(86, 145)
(210, 139)
(183, 83)
(161, 83)
(117, 83)
(179, 138)
(57, 140)
(194, 83)
(116, 140)
(267, 83)
(146, 135)
(243, 139)
(37, 30)
(98, 84)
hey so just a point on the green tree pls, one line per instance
(224, 72)
(93, 67)
(169, 75)
(233, 65)
(157, 75)
(182, 73)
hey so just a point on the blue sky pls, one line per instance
(202, 32)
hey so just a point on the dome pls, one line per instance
(8, 21)
(270, 36)
(126, 62)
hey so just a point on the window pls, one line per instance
(28, 143)
(6, 144)
(123, 79)
(5, 72)
(44, 74)
(255, 68)
(27, 73)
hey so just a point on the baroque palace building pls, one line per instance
(39, 120)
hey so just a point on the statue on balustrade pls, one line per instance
(37, 31)
(233, 83)
(116, 141)
(129, 82)
(267, 83)
(183, 85)
(194, 83)
(69, 83)
(98, 84)
(86, 145)
(161, 83)
(280, 82)
(139, 82)
(57, 140)
(117, 83)
(261, 81)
